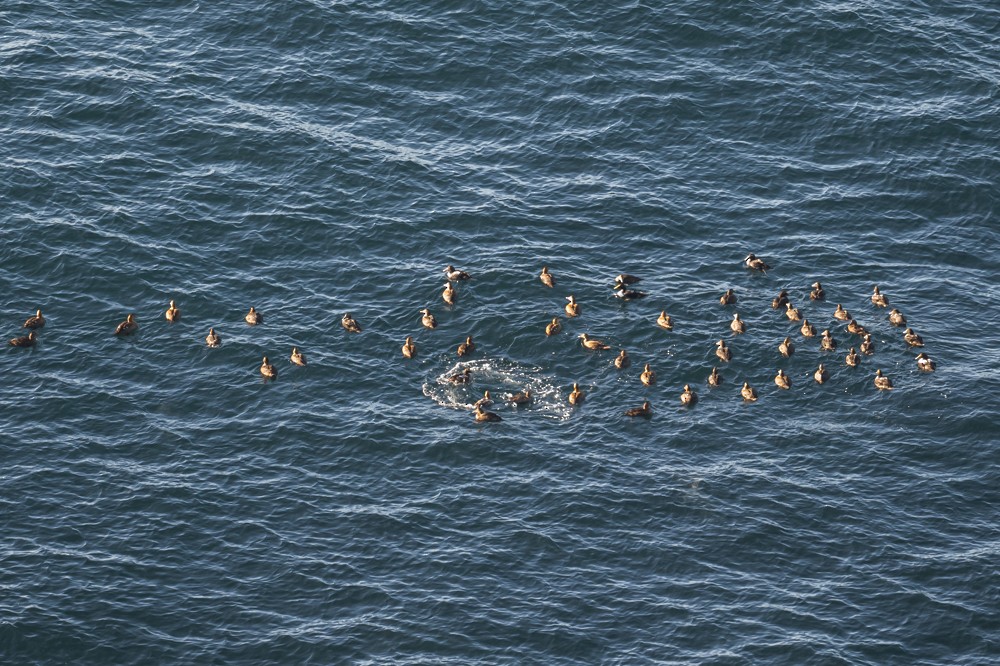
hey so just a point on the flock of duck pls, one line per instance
(623, 289)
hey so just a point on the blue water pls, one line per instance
(161, 503)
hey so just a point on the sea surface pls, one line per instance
(160, 503)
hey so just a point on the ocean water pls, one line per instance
(161, 503)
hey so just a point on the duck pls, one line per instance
(821, 374)
(572, 308)
(841, 314)
(664, 321)
(878, 298)
(896, 318)
(817, 293)
(127, 327)
(576, 396)
(253, 317)
(857, 329)
(781, 300)
(756, 263)
(268, 370)
(853, 358)
(626, 294)
(448, 294)
(523, 398)
(482, 416)
(723, 352)
(786, 348)
(924, 363)
(728, 298)
(409, 349)
(622, 361)
(350, 324)
(546, 277)
(454, 275)
(24, 340)
(428, 319)
(298, 358)
(912, 338)
(553, 326)
(464, 377)
(212, 339)
(827, 343)
(625, 278)
(807, 330)
(882, 382)
(590, 343)
(748, 392)
(737, 325)
(792, 313)
(485, 401)
(782, 380)
(688, 397)
(714, 378)
(867, 346)
(38, 321)
(173, 313)
(645, 411)
(466, 347)
(648, 377)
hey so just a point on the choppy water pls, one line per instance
(160, 503)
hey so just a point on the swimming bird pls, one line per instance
(350, 324)
(854, 327)
(173, 313)
(590, 343)
(807, 330)
(546, 277)
(572, 308)
(782, 380)
(878, 298)
(482, 415)
(428, 319)
(912, 338)
(821, 374)
(714, 378)
(213, 339)
(448, 294)
(728, 298)
(626, 294)
(467, 347)
(827, 343)
(38, 321)
(24, 340)
(298, 358)
(454, 274)
(853, 358)
(781, 300)
(253, 317)
(645, 411)
(756, 263)
(268, 370)
(882, 382)
(737, 325)
(925, 363)
(576, 396)
(127, 327)
(841, 314)
(409, 349)
(648, 377)
(748, 392)
(485, 401)
(867, 346)
(664, 321)
(786, 348)
(464, 377)
(792, 313)
(622, 361)
(689, 398)
(896, 318)
(723, 352)
(625, 278)
(817, 293)
(553, 326)
(523, 398)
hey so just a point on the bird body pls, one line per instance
(24, 340)
(924, 363)
(350, 324)
(728, 298)
(782, 380)
(268, 370)
(756, 263)
(127, 327)
(786, 348)
(878, 298)
(591, 343)
(644, 411)
(448, 294)
(553, 326)
(817, 293)
(723, 352)
(576, 396)
(648, 377)
(821, 374)
(664, 321)
(854, 327)
(298, 358)
(807, 330)
(466, 347)
(714, 378)
(896, 318)
(482, 416)
(792, 313)
(853, 358)
(781, 300)
(173, 313)
(453, 274)
(622, 361)
(867, 346)
(253, 317)
(912, 338)
(409, 349)
(748, 392)
(523, 398)
(213, 339)
(882, 382)
(464, 377)
(827, 343)
(38, 321)
(572, 308)
(841, 314)
(428, 319)
(688, 398)
(546, 277)
(737, 325)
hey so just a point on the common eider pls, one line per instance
(576, 396)
(454, 274)
(127, 327)
(626, 294)
(756, 263)
(253, 317)
(350, 324)
(782, 380)
(24, 340)
(485, 401)
(714, 378)
(298, 358)
(817, 293)
(723, 352)
(590, 343)
(428, 319)
(409, 349)
(748, 392)
(854, 327)
(572, 308)
(482, 415)
(912, 338)
(728, 298)
(792, 313)
(648, 377)
(173, 313)
(546, 277)
(827, 343)
(737, 325)
(38, 321)
(853, 358)
(807, 330)
(622, 361)
(464, 377)
(625, 278)
(448, 294)
(841, 314)
(882, 382)
(553, 326)
(786, 348)
(466, 347)
(781, 300)
(924, 363)
(878, 298)
(268, 370)
(821, 374)
(523, 398)
(896, 318)
(645, 411)
(213, 339)
(664, 321)
(688, 398)
(867, 345)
